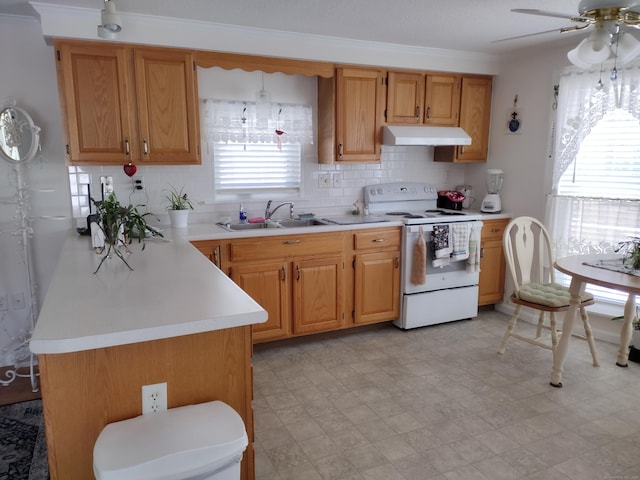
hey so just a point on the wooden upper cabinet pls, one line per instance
(167, 97)
(475, 116)
(405, 98)
(124, 104)
(95, 96)
(360, 102)
(442, 99)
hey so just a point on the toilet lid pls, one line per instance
(169, 444)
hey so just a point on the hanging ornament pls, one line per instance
(130, 169)
(279, 132)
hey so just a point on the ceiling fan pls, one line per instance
(611, 21)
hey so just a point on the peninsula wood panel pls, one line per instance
(84, 391)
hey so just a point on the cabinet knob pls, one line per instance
(378, 240)
(418, 112)
(126, 146)
(145, 147)
(428, 112)
(290, 242)
(340, 150)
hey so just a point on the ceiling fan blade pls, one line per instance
(544, 13)
(525, 36)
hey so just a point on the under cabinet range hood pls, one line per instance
(424, 135)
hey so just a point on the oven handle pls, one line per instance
(428, 227)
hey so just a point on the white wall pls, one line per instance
(28, 75)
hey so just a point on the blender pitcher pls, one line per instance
(491, 202)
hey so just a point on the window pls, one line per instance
(256, 148)
(595, 203)
(246, 168)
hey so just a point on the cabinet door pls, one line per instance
(268, 284)
(360, 98)
(167, 101)
(442, 100)
(377, 287)
(405, 98)
(492, 263)
(475, 113)
(317, 294)
(210, 249)
(95, 100)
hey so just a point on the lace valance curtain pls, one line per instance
(237, 121)
(584, 98)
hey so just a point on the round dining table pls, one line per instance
(597, 270)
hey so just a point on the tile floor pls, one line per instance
(440, 403)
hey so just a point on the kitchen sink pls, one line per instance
(301, 223)
(234, 227)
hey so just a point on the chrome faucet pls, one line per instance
(268, 213)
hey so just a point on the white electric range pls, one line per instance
(449, 289)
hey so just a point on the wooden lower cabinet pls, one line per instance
(268, 284)
(377, 275)
(297, 279)
(84, 391)
(377, 291)
(318, 294)
(492, 262)
(315, 282)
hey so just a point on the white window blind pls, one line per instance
(256, 148)
(240, 168)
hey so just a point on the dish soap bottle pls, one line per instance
(243, 214)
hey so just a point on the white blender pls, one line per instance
(491, 202)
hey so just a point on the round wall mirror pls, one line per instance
(19, 137)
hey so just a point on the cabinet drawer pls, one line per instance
(493, 229)
(376, 239)
(259, 248)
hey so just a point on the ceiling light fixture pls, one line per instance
(111, 22)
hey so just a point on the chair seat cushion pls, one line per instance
(549, 294)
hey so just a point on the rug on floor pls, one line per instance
(23, 447)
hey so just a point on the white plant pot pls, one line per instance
(179, 218)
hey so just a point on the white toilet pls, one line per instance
(196, 442)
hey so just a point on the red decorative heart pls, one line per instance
(130, 169)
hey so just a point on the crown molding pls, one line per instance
(81, 23)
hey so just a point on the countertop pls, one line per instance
(173, 291)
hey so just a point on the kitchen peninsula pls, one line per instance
(100, 337)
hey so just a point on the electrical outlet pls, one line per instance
(325, 180)
(337, 180)
(4, 302)
(107, 184)
(17, 300)
(138, 184)
(154, 398)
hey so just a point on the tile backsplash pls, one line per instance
(317, 195)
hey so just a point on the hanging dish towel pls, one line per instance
(419, 260)
(460, 233)
(473, 262)
(441, 247)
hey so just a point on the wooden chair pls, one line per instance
(527, 249)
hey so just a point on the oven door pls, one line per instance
(453, 275)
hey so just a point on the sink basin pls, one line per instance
(247, 226)
(233, 227)
(301, 223)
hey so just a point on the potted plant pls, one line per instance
(179, 206)
(119, 225)
(631, 251)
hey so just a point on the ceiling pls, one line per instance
(463, 25)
